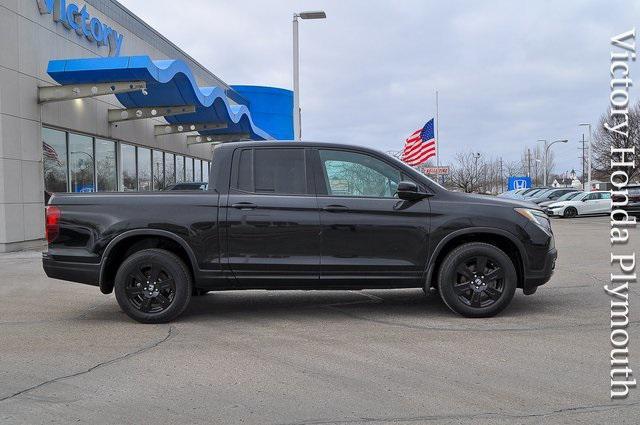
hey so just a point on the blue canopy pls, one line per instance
(171, 83)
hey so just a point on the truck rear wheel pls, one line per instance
(153, 286)
(477, 280)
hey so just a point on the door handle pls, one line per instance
(244, 206)
(335, 208)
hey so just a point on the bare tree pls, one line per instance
(604, 140)
(465, 172)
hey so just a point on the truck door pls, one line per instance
(272, 218)
(369, 236)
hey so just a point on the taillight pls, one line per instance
(53, 223)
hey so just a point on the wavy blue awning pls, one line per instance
(171, 83)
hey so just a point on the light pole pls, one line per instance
(589, 158)
(317, 14)
(535, 175)
(476, 157)
(546, 156)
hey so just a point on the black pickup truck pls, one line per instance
(299, 215)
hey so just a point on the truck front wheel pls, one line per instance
(477, 280)
(153, 286)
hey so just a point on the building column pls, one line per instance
(21, 181)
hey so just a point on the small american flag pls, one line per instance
(420, 146)
(50, 153)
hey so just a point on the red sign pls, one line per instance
(436, 170)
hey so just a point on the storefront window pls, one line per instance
(169, 169)
(128, 179)
(205, 171)
(188, 169)
(197, 170)
(179, 168)
(54, 155)
(144, 169)
(106, 165)
(81, 163)
(158, 170)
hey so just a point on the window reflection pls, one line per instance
(158, 170)
(106, 165)
(54, 160)
(81, 163)
(128, 176)
(144, 169)
(188, 169)
(169, 169)
(179, 168)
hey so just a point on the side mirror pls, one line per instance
(409, 191)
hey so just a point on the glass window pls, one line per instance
(245, 171)
(279, 171)
(205, 171)
(354, 174)
(197, 170)
(128, 174)
(144, 169)
(81, 163)
(158, 170)
(54, 160)
(169, 169)
(605, 195)
(179, 168)
(188, 169)
(106, 166)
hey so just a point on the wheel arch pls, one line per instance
(502, 239)
(132, 241)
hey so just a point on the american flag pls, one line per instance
(420, 146)
(50, 153)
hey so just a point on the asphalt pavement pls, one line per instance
(68, 354)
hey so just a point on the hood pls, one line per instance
(559, 204)
(494, 200)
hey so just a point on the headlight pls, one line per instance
(538, 217)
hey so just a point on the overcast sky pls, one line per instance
(508, 72)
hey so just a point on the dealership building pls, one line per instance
(94, 99)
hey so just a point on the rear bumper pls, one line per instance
(535, 278)
(87, 273)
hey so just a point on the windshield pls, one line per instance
(534, 193)
(568, 196)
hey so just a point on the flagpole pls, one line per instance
(437, 133)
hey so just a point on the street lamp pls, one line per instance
(476, 157)
(589, 158)
(316, 14)
(546, 156)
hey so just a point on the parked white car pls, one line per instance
(598, 202)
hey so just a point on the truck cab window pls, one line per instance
(355, 174)
(272, 171)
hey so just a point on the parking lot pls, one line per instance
(68, 354)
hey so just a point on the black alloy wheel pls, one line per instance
(570, 212)
(150, 288)
(477, 280)
(153, 286)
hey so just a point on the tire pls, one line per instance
(167, 296)
(471, 292)
(570, 212)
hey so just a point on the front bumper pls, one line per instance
(87, 273)
(556, 212)
(535, 278)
